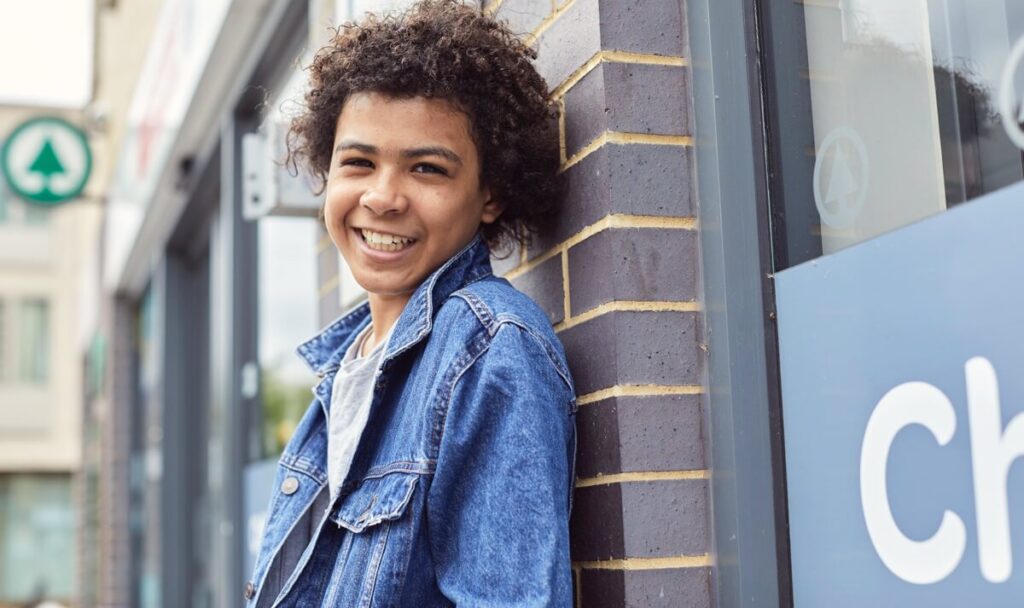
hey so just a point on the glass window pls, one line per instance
(37, 539)
(882, 113)
(34, 341)
(145, 464)
(287, 316)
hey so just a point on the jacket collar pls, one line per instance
(324, 351)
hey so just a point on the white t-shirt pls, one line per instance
(350, 407)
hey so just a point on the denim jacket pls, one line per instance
(460, 489)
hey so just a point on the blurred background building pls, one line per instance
(49, 290)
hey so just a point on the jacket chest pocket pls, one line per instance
(370, 569)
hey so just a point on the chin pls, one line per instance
(377, 287)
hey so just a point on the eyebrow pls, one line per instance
(348, 144)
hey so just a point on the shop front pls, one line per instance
(879, 168)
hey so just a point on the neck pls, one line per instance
(384, 311)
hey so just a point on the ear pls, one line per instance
(492, 208)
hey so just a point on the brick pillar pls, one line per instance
(618, 276)
(115, 584)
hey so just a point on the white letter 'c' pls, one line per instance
(920, 562)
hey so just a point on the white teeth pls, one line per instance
(385, 242)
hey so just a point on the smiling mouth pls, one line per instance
(382, 241)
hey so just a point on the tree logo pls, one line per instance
(46, 161)
(841, 177)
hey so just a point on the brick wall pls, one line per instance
(115, 421)
(618, 276)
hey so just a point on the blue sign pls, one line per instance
(902, 393)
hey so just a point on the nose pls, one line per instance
(384, 196)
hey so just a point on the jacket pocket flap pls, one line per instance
(376, 499)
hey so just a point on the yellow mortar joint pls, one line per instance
(620, 138)
(614, 57)
(615, 220)
(532, 37)
(652, 221)
(329, 284)
(639, 390)
(625, 306)
(493, 7)
(648, 563)
(644, 58)
(576, 76)
(604, 480)
(576, 573)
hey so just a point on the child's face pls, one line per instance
(403, 193)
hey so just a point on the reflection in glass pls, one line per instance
(287, 316)
(34, 351)
(883, 113)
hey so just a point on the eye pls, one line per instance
(429, 168)
(356, 162)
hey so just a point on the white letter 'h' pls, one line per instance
(993, 450)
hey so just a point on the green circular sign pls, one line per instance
(46, 160)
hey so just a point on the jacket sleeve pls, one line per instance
(498, 508)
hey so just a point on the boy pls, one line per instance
(435, 466)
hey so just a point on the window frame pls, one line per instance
(749, 515)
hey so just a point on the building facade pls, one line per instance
(753, 255)
(42, 333)
(49, 292)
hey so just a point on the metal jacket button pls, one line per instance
(289, 485)
(250, 590)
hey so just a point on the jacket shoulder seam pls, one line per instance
(480, 309)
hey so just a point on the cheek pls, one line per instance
(336, 204)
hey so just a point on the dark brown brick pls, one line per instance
(637, 179)
(633, 264)
(669, 588)
(643, 26)
(572, 39)
(647, 98)
(651, 180)
(523, 16)
(631, 98)
(596, 527)
(633, 348)
(544, 285)
(630, 434)
(665, 518)
(640, 520)
(588, 26)
(586, 111)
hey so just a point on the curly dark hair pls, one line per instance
(444, 49)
